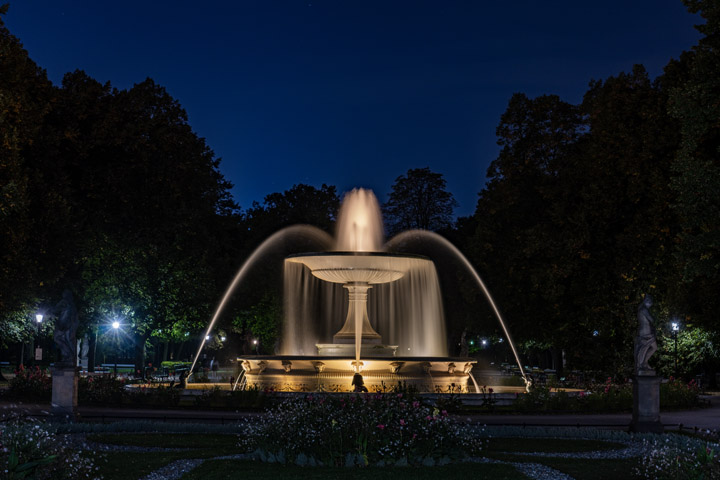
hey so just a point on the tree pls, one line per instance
(25, 98)
(419, 200)
(574, 224)
(515, 244)
(302, 204)
(695, 103)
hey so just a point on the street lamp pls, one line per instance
(38, 349)
(116, 324)
(255, 342)
(675, 327)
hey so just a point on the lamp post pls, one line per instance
(116, 327)
(675, 326)
(38, 350)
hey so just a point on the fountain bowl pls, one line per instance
(371, 268)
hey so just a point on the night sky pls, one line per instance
(346, 92)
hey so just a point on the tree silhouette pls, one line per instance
(419, 200)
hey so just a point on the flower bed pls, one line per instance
(30, 384)
(29, 450)
(358, 430)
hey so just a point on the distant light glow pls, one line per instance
(255, 342)
(472, 342)
(222, 339)
(116, 324)
(484, 342)
(595, 333)
(207, 337)
(675, 326)
(39, 317)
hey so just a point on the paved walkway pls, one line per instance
(701, 418)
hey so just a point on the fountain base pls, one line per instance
(348, 350)
(334, 374)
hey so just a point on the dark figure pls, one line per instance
(359, 384)
(183, 379)
(65, 328)
(214, 367)
(645, 342)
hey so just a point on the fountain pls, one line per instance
(394, 328)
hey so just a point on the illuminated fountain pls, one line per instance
(394, 327)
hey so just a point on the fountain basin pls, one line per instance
(334, 374)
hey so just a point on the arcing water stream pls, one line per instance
(306, 231)
(442, 241)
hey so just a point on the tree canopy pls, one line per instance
(419, 200)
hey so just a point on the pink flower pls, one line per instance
(402, 422)
(399, 395)
(428, 417)
(416, 404)
(381, 426)
(414, 436)
(444, 413)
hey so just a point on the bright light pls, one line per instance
(39, 317)
(207, 337)
(222, 339)
(472, 342)
(675, 326)
(116, 324)
(254, 342)
(484, 342)
(595, 333)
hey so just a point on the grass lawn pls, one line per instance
(548, 445)
(133, 465)
(171, 440)
(233, 469)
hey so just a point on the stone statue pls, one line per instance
(65, 328)
(645, 342)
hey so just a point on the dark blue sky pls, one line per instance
(347, 92)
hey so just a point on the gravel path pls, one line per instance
(174, 470)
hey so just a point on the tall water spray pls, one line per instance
(398, 296)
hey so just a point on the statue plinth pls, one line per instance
(646, 403)
(64, 392)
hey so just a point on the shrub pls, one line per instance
(249, 397)
(215, 397)
(28, 450)
(678, 394)
(160, 395)
(358, 430)
(31, 383)
(101, 389)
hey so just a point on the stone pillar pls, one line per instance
(646, 404)
(64, 393)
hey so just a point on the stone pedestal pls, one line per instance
(646, 404)
(64, 393)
